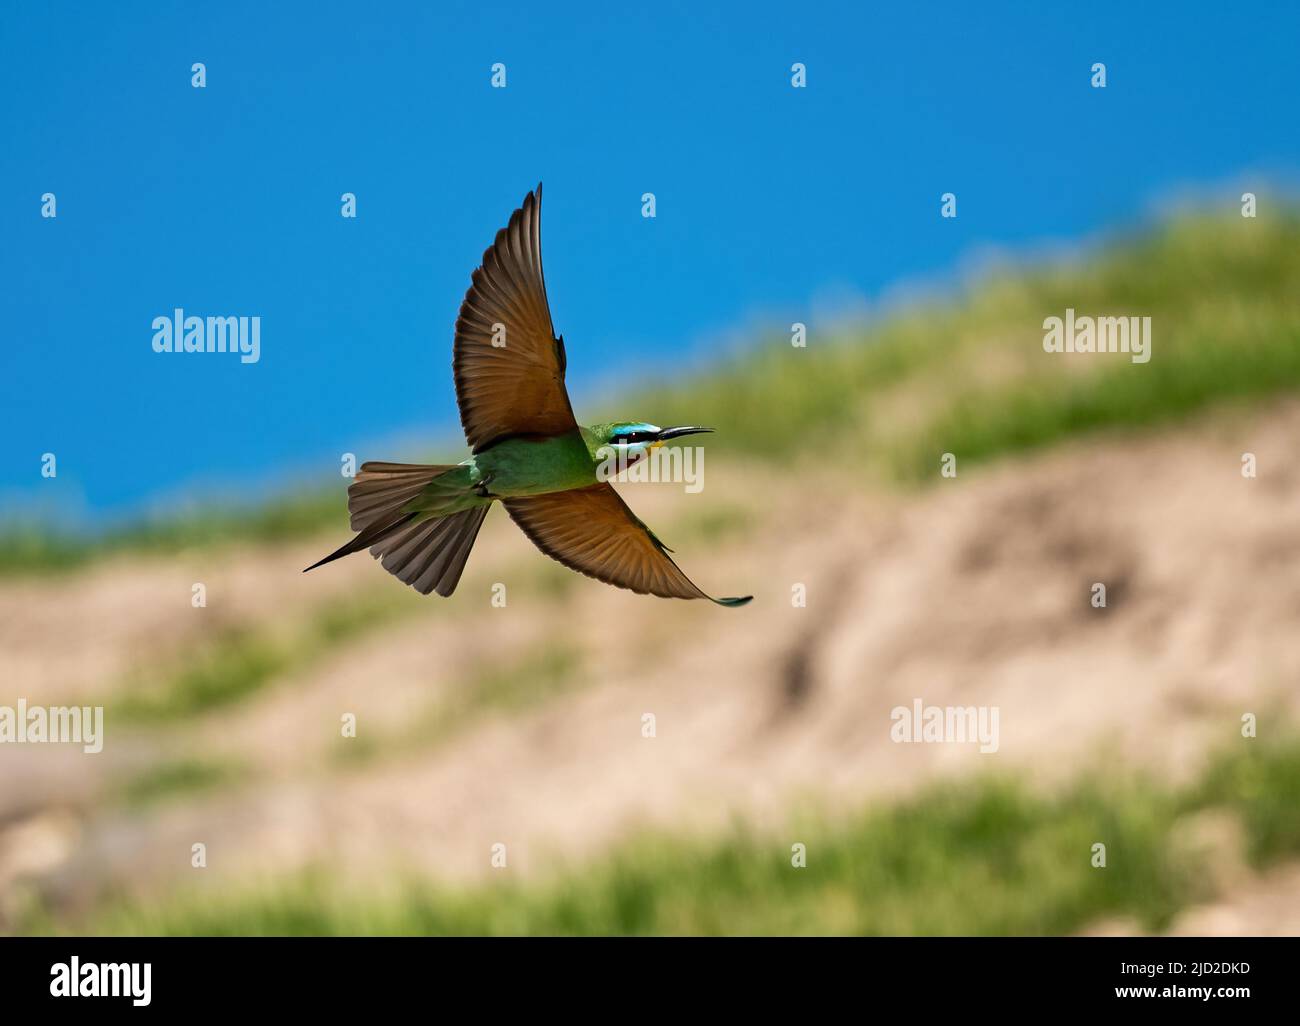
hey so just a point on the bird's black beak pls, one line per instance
(677, 432)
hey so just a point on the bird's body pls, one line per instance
(520, 467)
(529, 452)
(531, 465)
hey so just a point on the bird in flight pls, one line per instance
(528, 451)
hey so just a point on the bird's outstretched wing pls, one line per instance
(591, 530)
(508, 364)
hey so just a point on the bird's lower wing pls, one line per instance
(591, 530)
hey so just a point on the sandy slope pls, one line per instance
(972, 592)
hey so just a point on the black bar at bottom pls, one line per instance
(1226, 976)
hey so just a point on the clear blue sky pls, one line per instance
(225, 200)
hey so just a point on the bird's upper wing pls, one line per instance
(515, 387)
(591, 530)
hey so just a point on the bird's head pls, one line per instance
(633, 440)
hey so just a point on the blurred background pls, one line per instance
(520, 730)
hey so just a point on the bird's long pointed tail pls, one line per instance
(419, 548)
(370, 536)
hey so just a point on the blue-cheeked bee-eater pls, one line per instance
(528, 450)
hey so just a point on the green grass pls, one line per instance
(1206, 362)
(182, 778)
(238, 662)
(551, 669)
(29, 547)
(1266, 792)
(970, 377)
(988, 856)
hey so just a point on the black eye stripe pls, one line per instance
(635, 436)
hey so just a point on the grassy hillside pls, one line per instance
(971, 376)
(522, 720)
(967, 376)
(989, 857)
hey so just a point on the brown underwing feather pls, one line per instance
(593, 531)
